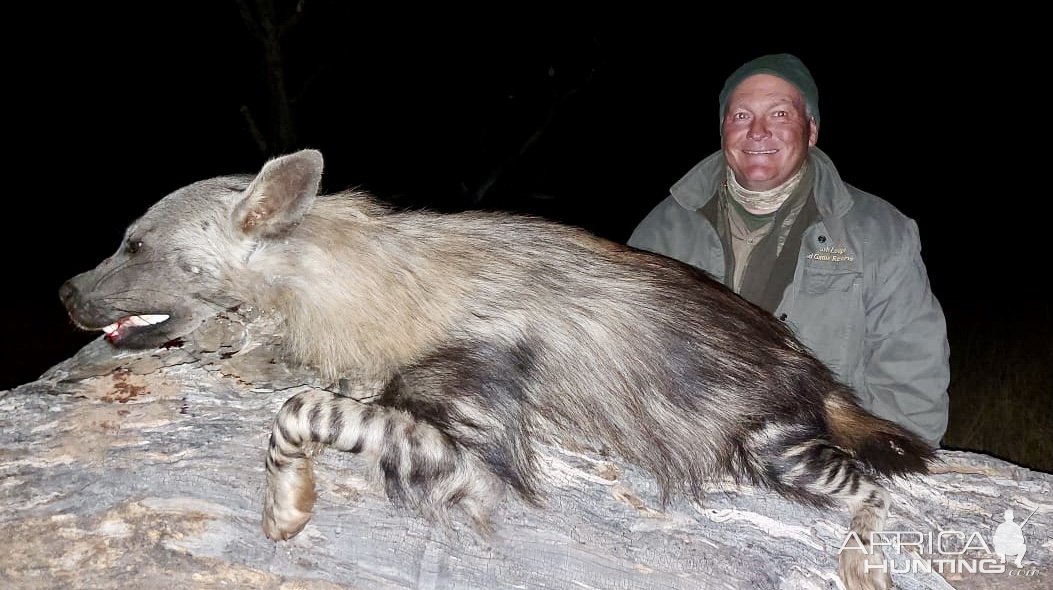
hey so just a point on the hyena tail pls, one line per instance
(417, 462)
(884, 446)
(838, 462)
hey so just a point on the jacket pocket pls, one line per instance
(823, 282)
(828, 318)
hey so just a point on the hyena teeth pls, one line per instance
(136, 320)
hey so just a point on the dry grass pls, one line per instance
(1002, 382)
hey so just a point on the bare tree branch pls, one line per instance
(249, 19)
(254, 129)
(260, 19)
(559, 98)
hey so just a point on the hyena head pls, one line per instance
(186, 258)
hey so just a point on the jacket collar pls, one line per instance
(832, 198)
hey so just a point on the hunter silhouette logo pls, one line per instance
(1009, 538)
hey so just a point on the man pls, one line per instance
(770, 217)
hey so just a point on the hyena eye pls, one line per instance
(133, 246)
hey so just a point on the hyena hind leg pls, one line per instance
(861, 565)
(417, 462)
(816, 472)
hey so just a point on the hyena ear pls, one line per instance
(280, 194)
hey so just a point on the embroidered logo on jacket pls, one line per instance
(832, 254)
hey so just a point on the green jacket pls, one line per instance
(860, 297)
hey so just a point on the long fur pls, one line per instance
(490, 332)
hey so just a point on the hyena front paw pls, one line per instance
(282, 522)
(290, 498)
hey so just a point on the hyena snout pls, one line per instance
(123, 325)
(86, 311)
(67, 293)
(80, 310)
(71, 295)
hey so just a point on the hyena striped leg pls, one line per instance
(417, 462)
(863, 566)
(814, 471)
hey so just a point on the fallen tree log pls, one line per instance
(145, 470)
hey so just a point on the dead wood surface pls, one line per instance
(145, 470)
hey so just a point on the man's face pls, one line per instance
(767, 132)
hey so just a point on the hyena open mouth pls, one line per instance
(134, 324)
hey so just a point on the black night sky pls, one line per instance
(588, 120)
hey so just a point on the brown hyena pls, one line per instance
(490, 332)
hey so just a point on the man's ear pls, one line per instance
(813, 132)
(280, 194)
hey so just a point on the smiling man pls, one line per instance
(770, 217)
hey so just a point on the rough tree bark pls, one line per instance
(145, 470)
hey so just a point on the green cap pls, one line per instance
(783, 65)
